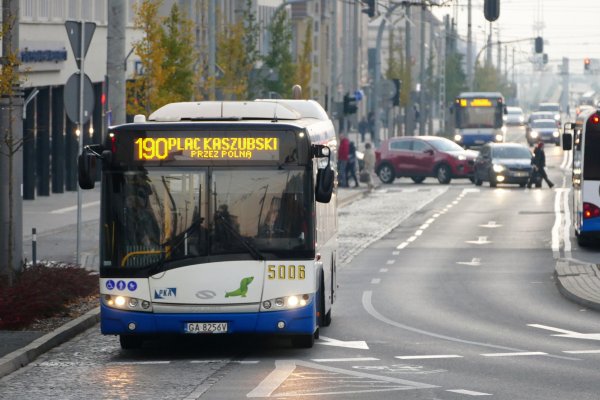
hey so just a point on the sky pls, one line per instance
(570, 28)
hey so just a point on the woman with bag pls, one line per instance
(369, 165)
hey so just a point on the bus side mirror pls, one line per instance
(325, 176)
(567, 141)
(86, 168)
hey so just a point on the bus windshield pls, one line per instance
(160, 216)
(478, 117)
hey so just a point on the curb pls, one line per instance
(574, 297)
(20, 358)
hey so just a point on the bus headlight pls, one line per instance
(126, 303)
(499, 137)
(498, 168)
(286, 303)
(457, 138)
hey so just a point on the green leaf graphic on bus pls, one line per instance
(243, 289)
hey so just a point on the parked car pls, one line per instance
(543, 129)
(503, 163)
(419, 157)
(514, 116)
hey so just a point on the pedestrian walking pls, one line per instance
(343, 155)
(538, 161)
(363, 126)
(351, 167)
(369, 164)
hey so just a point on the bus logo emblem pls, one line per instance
(164, 293)
(205, 294)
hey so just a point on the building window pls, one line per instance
(57, 10)
(100, 12)
(44, 10)
(74, 9)
(86, 10)
(27, 9)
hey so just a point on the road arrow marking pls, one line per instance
(474, 262)
(480, 240)
(351, 344)
(568, 334)
(491, 224)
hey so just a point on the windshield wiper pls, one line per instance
(249, 246)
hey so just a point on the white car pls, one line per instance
(514, 116)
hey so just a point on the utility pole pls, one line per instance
(116, 61)
(334, 60)
(212, 47)
(564, 98)
(469, 48)
(422, 74)
(409, 115)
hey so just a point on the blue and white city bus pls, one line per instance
(217, 218)
(585, 143)
(479, 118)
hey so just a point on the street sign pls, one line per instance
(71, 98)
(74, 34)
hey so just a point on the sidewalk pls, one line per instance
(577, 282)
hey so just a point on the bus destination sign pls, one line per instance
(194, 148)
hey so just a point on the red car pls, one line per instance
(419, 157)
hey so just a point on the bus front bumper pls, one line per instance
(297, 321)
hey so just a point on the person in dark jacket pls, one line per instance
(539, 163)
(351, 167)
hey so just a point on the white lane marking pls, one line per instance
(390, 262)
(139, 362)
(419, 232)
(283, 369)
(345, 359)
(375, 281)
(491, 224)
(567, 224)
(582, 351)
(402, 245)
(430, 221)
(224, 361)
(73, 208)
(395, 253)
(436, 215)
(368, 306)
(383, 270)
(566, 162)
(428, 357)
(557, 220)
(516, 354)
(480, 240)
(411, 239)
(475, 262)
(424, 226)
(469, 392)
(350, 344)
(567, 333)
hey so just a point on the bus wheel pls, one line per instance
(323, 319)
(129, 342)
(303, 341)
(582, 240)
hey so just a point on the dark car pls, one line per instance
(545, 130)
(421, 157)
(503, 163)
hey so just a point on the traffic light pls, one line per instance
(586, 64)
(539, 45)
(491, 9)
(370, 10)
(349, 104)
(396, 97)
